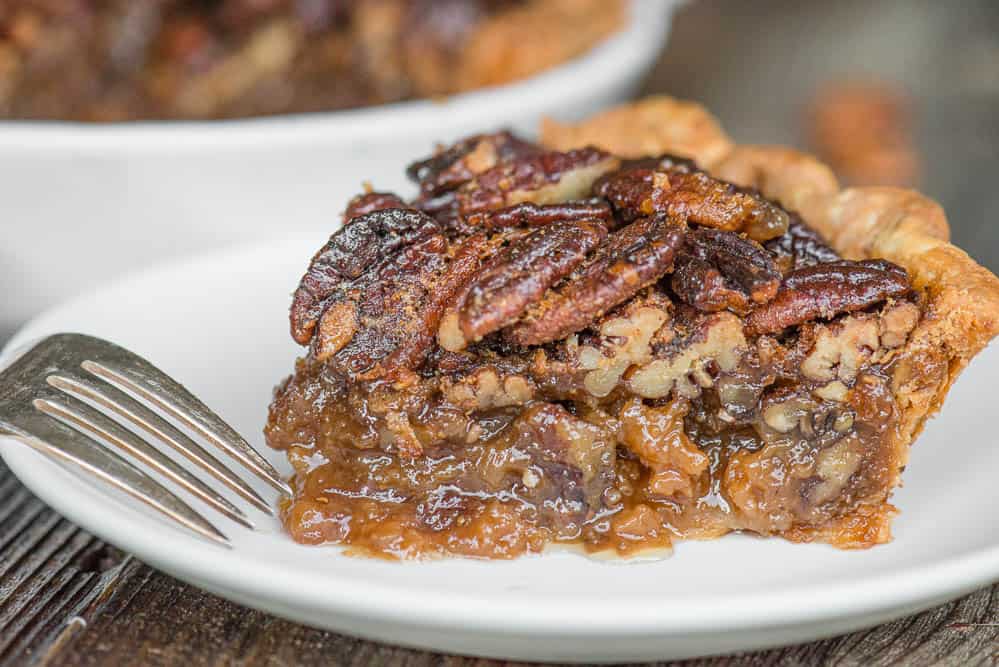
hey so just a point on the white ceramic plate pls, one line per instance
(218, 324)
(167, 189)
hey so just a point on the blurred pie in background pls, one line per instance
(864, 131)
(112, 60)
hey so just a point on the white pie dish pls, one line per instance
(218, 324)
(158, 189)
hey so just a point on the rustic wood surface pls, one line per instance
(66, 598)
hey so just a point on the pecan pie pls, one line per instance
(631, 333)
(111, 60)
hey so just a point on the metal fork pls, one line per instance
(47, 401)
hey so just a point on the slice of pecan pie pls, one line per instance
(631, 333)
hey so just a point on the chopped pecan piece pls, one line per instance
(826, 290)
(679, 190)
(841, 348)
(836, 351)
(567, 456)
(359, 244)
(657, 438)
(791, 413)
(488, 387)
(800, 246)
(529, 214)
(622, 339)
(718, 270)
(689, 353)
(628, 260)
(522, 272)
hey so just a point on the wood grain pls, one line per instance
(201, 629)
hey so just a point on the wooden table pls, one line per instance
(68, 599)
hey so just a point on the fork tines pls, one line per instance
(55, 397)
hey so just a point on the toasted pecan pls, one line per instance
(632, 258)
(718, 270)
(522, 272)
(826, 290)
(355, 247)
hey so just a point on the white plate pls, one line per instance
(167, 189)
(218, 324)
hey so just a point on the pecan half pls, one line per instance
(370, 202)
(631, 193)
(800, 246)
(440, 289)
(373, 297)
(718, 270)
(539, 178)
(396, 309)
(460, 162)
(530, 214)
(359, 244)
(390, 305)
(522, 272)
(637, 190)
(714, 203)
(544, 178)
(682, 191)
(826, 290)
(664, 162)
(628, 260)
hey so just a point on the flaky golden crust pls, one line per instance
(645, 128)
(961, 298)
(793, 178)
